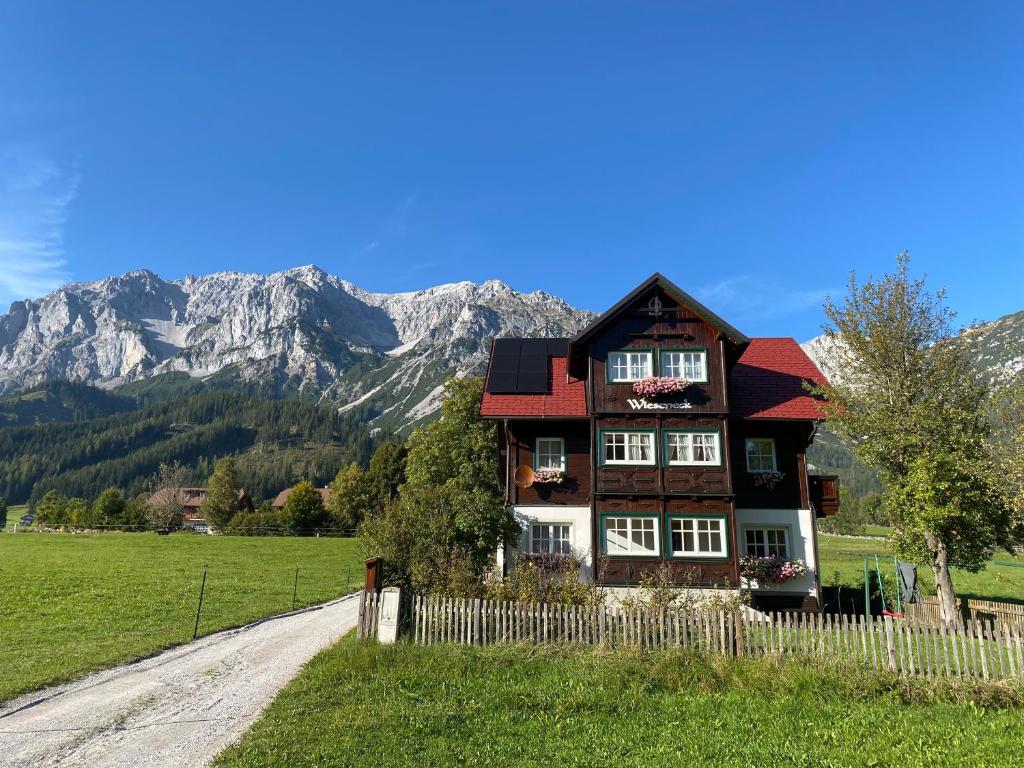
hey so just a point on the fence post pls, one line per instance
(295, 587)
(890, 646)
(202, 590)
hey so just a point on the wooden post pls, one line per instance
(890, 644)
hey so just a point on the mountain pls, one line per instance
(997, 347)
(299, 332)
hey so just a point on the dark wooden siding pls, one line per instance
(575, 491)
(695, 572)
(661, 478)
(677, 329)
(791, 440)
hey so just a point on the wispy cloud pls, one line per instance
(746, 297)
(35, 192)
(395, 227)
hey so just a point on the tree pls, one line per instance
(441, 533)
(386, 473)
(1007, 448)
(167, 501)
(304, 509)
(136, 513)
(108, 508)
(3, 513)
(221, 501)
(350, 498)
(52, 509)
(79, 513)
(909, 403)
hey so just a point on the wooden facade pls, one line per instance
(652, 327)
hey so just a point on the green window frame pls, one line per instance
(721, 555)
(609, 379)
(603, 462)
(537, 452)
(760, 455)
(666, 450)
(635, 522)
(703, 351)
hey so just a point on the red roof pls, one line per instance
(565, 397)
(767, 382)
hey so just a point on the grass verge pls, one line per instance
(404, 705)
(72, 604)
(842, 562)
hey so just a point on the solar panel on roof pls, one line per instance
(502, 382)
(532, 382)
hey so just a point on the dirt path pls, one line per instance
(180, 708)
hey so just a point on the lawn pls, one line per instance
(74, 603)
(14, 515)
(366, 704)
(1002, 579)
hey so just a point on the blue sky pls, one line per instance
(752, 152)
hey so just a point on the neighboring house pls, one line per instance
(192, 500)
(692, 475)
(282, 497)
(27, 519)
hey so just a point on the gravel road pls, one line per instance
(180, 708)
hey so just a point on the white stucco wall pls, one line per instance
(800, 524)
(580, 532)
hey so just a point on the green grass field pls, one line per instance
(71, 604)
(366, 704)
(14, 515)
(845, 554)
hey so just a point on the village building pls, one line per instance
(191, 502)
(661, 435)
(282, 497)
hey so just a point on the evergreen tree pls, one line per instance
(304, 509)
(386, 473)
(909, 404)
(3, 513)
(221, 501)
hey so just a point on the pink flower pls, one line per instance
(653, 386)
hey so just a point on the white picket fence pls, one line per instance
(984, 649)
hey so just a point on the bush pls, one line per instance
(544, 579)
(263, 522)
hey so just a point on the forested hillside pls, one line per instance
(276, 441)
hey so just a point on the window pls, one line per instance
(765, 542)
(690, 365)
(550, 539)
(629, 366)
(629, 448)
(760, 454)
(550, 453)
(631, 535)
(699, 537)
(689, 448)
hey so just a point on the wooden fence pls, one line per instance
(971, 610)
(369, 615)
(984, 649)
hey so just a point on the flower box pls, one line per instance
(767, 480)
(770, 570)
(653, 386)
(548, 477)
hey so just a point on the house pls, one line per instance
(282, 497)
(662, 435)
(27, 519)
(191, 502)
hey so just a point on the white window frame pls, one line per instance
(723, 531)
(627, 461)
(630, 356)
(633, 523)
(537, 453)
(550, 538)
(700, 354)
(746, 450)
(689, 445)
(764, 529)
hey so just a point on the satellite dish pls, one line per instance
(524, 476)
